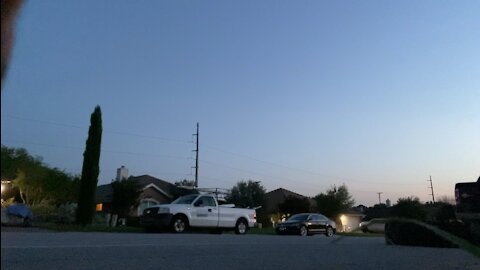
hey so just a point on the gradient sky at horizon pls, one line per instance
(378, 95)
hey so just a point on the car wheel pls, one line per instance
(241, 227)
(303, 230)
(329, 232)
(179, 224)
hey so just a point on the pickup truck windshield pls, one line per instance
(185, 199)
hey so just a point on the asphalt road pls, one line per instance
(51, 250)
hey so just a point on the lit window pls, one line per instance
(99, 207)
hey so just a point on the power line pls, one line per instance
(272, 163)
(103, 150)
(296, 169)
(105, 131)
(205, 146)
(258, 173)
(283, 179)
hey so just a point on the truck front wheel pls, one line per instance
(179, 224)
(241, 227)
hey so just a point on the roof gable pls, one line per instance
(104, 192)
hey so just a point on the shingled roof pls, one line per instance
(278, 196)
(104, 192)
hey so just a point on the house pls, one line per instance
(278, 196)
(153, 191)
(350, 219)
(270, 211)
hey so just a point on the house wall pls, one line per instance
(151, 194)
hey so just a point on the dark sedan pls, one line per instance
(307, 224)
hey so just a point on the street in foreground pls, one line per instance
(51, 250)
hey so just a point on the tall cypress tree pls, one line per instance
(90, 169)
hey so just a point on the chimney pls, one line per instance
(122, 173)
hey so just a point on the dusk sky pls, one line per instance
(303, 95)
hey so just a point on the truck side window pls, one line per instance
(209, 201)
(206, 201)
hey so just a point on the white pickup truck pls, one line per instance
(201, 211)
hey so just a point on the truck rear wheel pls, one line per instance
(241, 227)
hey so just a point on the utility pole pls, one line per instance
(379, 200)
(431, 188)
(196, 158)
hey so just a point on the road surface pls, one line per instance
(53, 250)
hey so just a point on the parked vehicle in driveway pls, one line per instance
(17, 215)
(467, 198)
(307, 224)
(198, 211)
(375, 225)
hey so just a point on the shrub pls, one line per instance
(409, 207)
(42, 211)
(45, 212)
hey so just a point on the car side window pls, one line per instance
(322, 217)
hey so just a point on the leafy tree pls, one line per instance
(125, 196)
(334, 201)
(409, 207)
(35, 182)
(247, 193)
(377, 211)
(90, 169)
(26, 171)
(294, 205)
(446, 199)
(62, 187)
(185, 183)
(184, 187)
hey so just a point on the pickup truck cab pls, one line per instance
(467, 197)
(198, 211)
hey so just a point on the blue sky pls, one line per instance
(302, 95)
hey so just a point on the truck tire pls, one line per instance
(241, 227)
(179, 224)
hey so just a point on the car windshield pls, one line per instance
(298, 217)
(185, 199)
